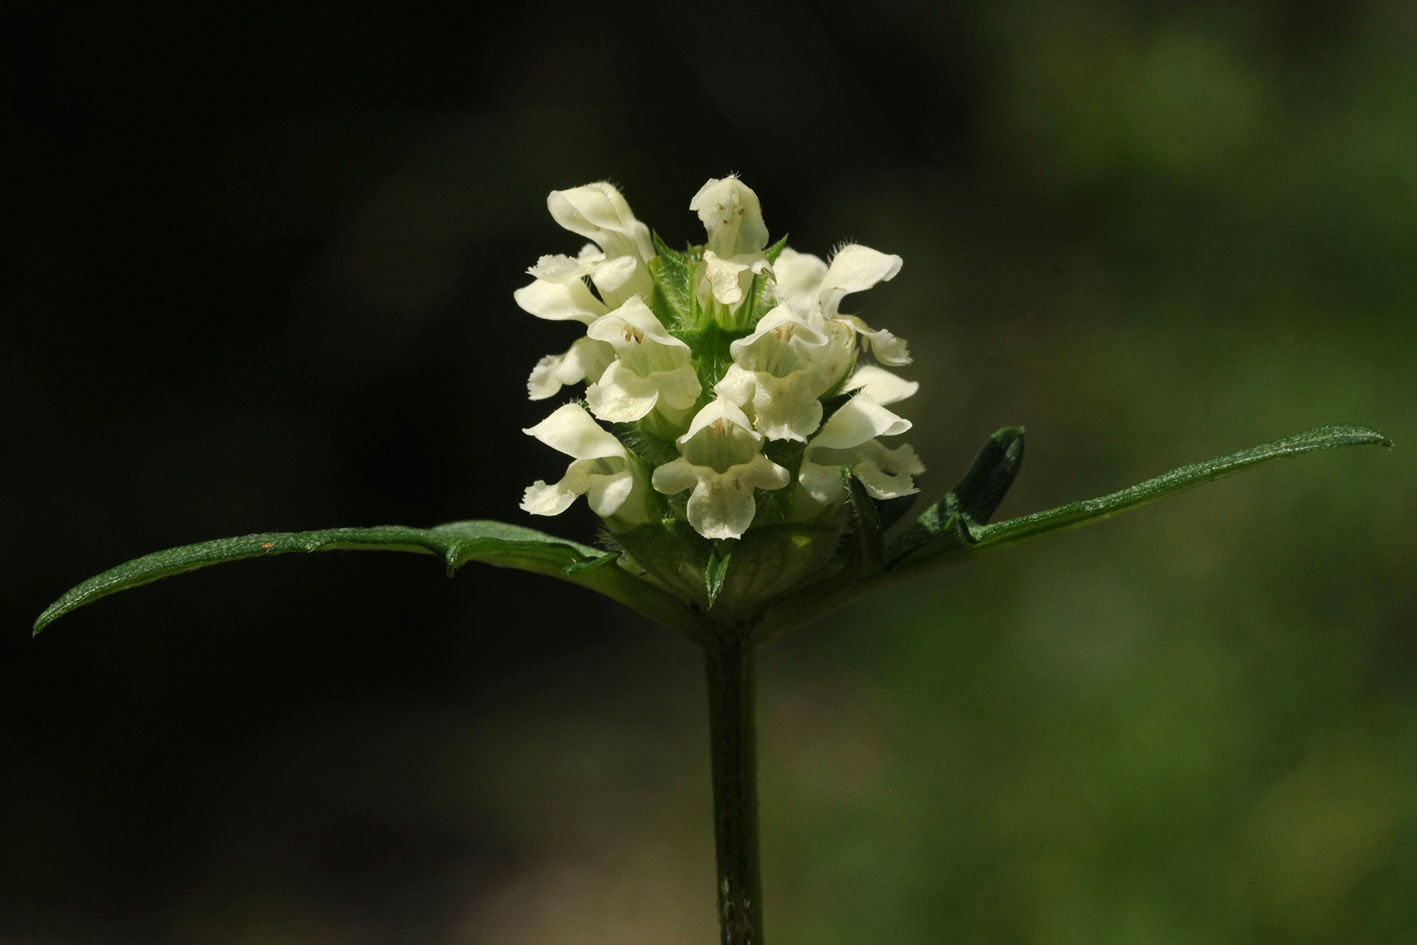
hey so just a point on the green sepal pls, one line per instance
(712, 353)
(763, 287)
(767, 562)
(715, 573)
(869, 550)
(673, 274)
(971, 502)
(775, 250)
(457, 543)
(890, 511)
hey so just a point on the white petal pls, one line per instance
(633, 314)
(780, 343)
(607, 493)
(716, 410)
(798, 279)
(787, 408)
(560, 269)
(723, 505)
(886, 473)
(724, 277)
(586, 360)
(901, 459)
(680, 388)
(732, 216)
(853, 269)
(823, 483)
(737, 385)
(599, 213)
(560, 301)
(881, 385)
(721, 460)
(848, 439)
(542, 499)
(719, 510)
(859, 420)
(887, 348)
(574, 432)
(611, 276)
(621, 395)
(674, 476)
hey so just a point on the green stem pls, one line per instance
(733, 745)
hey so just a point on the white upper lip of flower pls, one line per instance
(600, 213)
(733, 219)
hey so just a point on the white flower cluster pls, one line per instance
(659, 324)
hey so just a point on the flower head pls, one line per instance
(735, 387)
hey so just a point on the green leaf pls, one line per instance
(457, 543)
(961, 537)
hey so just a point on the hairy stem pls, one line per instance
(733, 745)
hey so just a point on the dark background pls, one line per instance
(257, 276)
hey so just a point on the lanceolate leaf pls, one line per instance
(949, 531)
(980, 537)
(494, 543)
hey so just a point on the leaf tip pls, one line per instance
(51, 613)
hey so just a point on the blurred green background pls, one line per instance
(258, 275)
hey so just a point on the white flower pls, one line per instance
(599, 213)
(776, 370)
(853, 269)
(560, 292)
(733, 218)
(618, 267)
(881, 385)
(814, 291)
(651, 367)
(602, 469)
(848, 439)
(721, 459)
